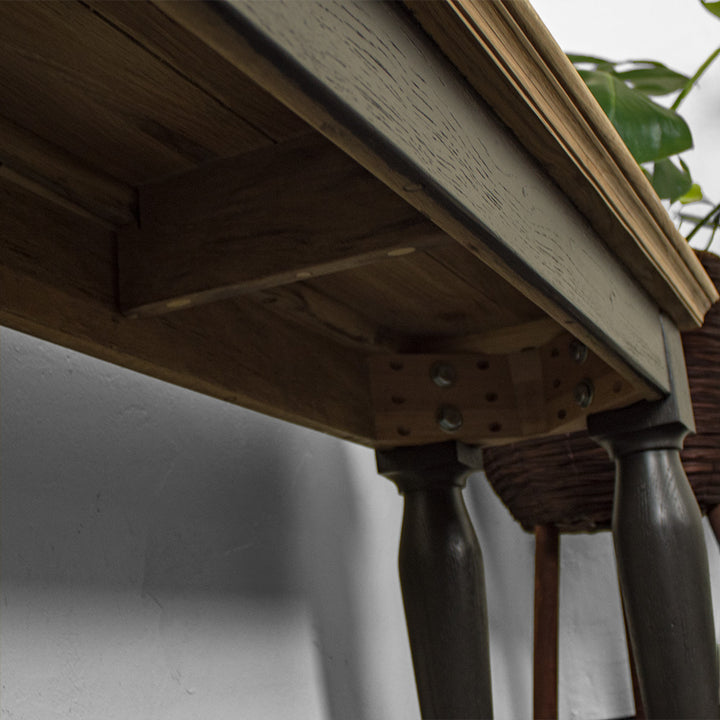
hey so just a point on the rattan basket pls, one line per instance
(568, 480)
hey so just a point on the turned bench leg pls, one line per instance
(443, 586)
(660, 551)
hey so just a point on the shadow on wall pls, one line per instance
(283, 524)
(509, 577)
(116, 483)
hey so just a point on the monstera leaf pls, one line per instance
(654, 134)
(713, 7)
(650, 131)
(670, 181)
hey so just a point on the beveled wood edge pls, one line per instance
(534, 88)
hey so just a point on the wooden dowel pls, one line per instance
(545, 666)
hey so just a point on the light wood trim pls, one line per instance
(49, 170)
(369, 79)
(510, 58)
(272, 217)
(57, 276)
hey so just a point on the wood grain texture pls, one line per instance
(557, 62)
(203, 67)
(368, 78)
(298, 210)
(508, 56)
(501, 398)
(59, 174)
(75, 80)
(57, 282)
(428, 297)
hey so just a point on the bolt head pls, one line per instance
(578, 352)
(584, 393)
(449, 418)
(443, 374)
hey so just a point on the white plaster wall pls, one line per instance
(168, 556)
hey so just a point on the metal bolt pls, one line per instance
(578, 352)
(449, 418)
(584, 393)
(443, 374)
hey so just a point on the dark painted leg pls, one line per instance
(639, 709)
(545, 631)
(661, 554)
(441, 574)
(714, 518)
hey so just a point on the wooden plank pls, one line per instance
(75, 80)
(175, 46)
(508, 56)
(55, 173)
(510, 339)
(57, 274)
(367, 77)
(294, 211)
(500, 398)
(327, 315)
(434, 295)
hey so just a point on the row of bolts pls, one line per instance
(450, 419)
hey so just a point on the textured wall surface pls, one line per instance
(169, 556)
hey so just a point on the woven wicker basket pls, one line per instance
(568, 480)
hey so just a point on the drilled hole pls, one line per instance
(491, 397)
(495, 427)
(617, 387)
(562, 414)
(397, 400)
(402, 430)
(483, 364)
(396, 365)
(554, 352)
(557, 382)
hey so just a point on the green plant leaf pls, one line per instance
(596, 62)
(713, 7)
(654, 79)
(694, 194)
(670, 182)
(650, 131)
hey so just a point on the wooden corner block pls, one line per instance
(491, 399)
